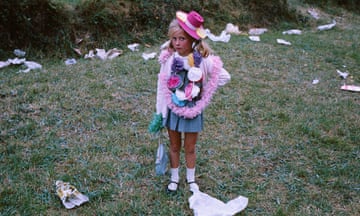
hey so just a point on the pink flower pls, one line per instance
(174, 82)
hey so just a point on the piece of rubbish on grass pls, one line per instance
(206, 205)
(257, 31)
(223, 37)
(314, 13)
(147, 56)
(315, 81)
(292, 32)
(327, 27)
(69, 195)
(4, 64)
(352, 88)
(232, 29)
(19, 52)
(343, 75)
(31, 65)
(282, 41)
(102, 54)
(17, 61)
(70, 61)
(134, 47)
(110, 54)
(255, 38)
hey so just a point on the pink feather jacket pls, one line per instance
(214, 75)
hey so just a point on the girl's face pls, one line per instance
(182, 42)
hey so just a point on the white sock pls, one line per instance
(174, 178)
(190, 174)
(174, 174)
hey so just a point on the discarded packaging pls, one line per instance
(257, 31)
(315, 81)
(327, 27)
(292, 32)
(110, 54)
(223, 37)
(70, 61)
(313, 13)
(134, 47)
(284, 42)
(232, 29)
(19, 53)
(69, 195)
(350, 88)
(30, 66)
(254, 38)
(103, 55)
(147, 56)
(206, 205)
(343, 75)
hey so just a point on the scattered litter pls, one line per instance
(292, 32)
(223, 37)
(147, 56)
(103, 55)
(327, 27)
(254, 38)
(232, 29)
(314, 13)
(315, 81)
(31, 65)
(90, 54)
(257, 31)
(69, 195)
(206, 205)
(112, 53)
(342, 74)
(350, 88)
(17, 61)
(134, 47)
(70, 61)
(4, 64)
(78, 51)
(19, 53)
(284, 42)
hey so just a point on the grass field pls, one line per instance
(290, 146)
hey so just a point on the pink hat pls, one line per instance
(192, 23)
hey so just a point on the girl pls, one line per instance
(189, 76)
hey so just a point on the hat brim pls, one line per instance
(198, 33)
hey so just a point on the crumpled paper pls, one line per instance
(206, 205)
(223, 37)
(283, 42)
(327, 27)
(69, 195)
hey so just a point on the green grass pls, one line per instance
(290, 146)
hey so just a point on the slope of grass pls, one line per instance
(290, 146)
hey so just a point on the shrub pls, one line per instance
(54, 27)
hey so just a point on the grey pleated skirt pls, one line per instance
(180, 124)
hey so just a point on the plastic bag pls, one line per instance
(162, 158)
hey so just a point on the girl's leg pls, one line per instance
(189, 145)
(190, 156)
(175, 147)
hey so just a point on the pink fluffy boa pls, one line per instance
(209, 88)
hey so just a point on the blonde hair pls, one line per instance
(199, 45)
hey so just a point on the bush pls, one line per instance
(55, 27)
(32, 23)
(351, 5)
